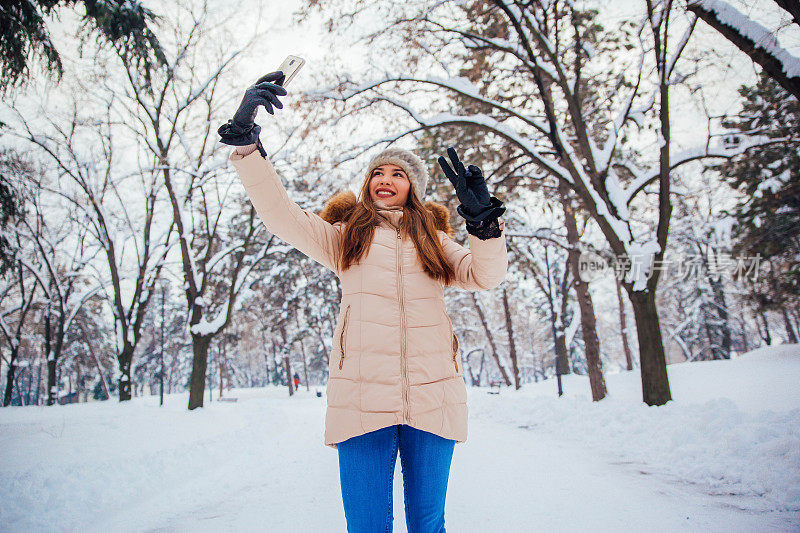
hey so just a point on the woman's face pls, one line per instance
(389, 186)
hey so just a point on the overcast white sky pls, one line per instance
(309, 40)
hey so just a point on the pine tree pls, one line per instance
(12, 208)
(768, 178)
(125, 25)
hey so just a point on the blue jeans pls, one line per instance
(366, 472)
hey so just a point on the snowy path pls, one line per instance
(556, 486)
(503, 479)
(259, 465)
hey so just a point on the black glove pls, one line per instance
(242, 130)
(478, 207)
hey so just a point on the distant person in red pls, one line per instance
(296, 381)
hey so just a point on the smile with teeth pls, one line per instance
(384, 193)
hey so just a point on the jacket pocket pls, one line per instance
(455, 352)
(343, 334)
(455, 344)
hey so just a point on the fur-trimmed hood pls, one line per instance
(340, 204)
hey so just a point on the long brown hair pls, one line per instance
(417, 222)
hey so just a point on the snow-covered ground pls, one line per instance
(723, 456)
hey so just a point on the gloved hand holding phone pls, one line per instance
(242, 130)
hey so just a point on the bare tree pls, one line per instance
(551, 95)
(551, 274)
(623, 326)
(219, 235)
(121, 225)
(594, 365)
(489, 337)
(512, 345)
(54, 258)
(21, 289)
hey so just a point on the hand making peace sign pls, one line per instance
(476, 202)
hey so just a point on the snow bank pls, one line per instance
(734, 427)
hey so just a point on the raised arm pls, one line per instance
(305, 230)
(483, 265)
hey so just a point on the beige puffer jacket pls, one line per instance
(395, 357)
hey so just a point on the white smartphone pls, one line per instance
(290, 67)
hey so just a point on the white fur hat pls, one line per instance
(414, 167)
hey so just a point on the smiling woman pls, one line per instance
(395, 374)
(389, 186)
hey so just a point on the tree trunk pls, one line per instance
(710, 336)
(53, 351)
(288, 374)
(221, 365)
(490, 337)
(765, 334)
(562, 359)
(594, 365)
(29, 391)
(12, 368)
(38, 398)
(652, 360)
(589, 330)
(557, 325)
(512, 347)
(18, 389)
(96, 361)
(102, 375)
(52, 382)
(790, 334)
(24, 398)
(305, 364)
(743, 323)
(722, 314)
(325, 355)
(197, 382)
(623, 326)
(475, 378)
(273, 377)
(124, 383)
(52, 387)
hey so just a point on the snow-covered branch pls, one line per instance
(488, 123)
(753, 39)
(695, 154)
(459, 85)
(602, 156)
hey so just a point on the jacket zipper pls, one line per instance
(341, 338)
(402, 327)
